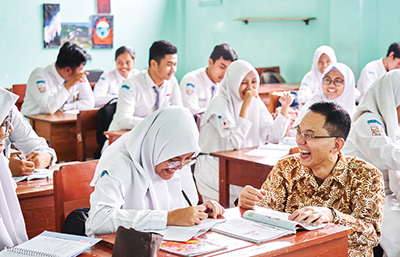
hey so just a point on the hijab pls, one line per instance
(227, 103)
(165, 134)
(12, 225)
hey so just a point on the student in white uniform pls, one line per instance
(200, 86)
(236, 118)
(149, 90)
(140, 181)
(12, 224)
(110, 82)
(375, 69)
(60, 86)
(337, 85)
(375, 137)
(323, 57)
(35, 152)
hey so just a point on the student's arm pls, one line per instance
(367, 78)
(305, 90)
(39, 87)
(101, 90)
(176, 97)
(85, 99)
(190, 97)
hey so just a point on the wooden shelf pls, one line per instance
(246, 20)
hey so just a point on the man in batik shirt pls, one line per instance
(321, 185)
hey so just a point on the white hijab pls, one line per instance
(347, 98)
(314, 77)
(228, 102)
(382, 99)
(165, 134)
(12, 224)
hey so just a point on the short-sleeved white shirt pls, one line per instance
(369, 74)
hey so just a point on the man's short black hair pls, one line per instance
(160, 49)
(125, 49)
(337, 119)
(395, 48)
(72, 56)
(225, 51)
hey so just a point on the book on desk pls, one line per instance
(261, 225)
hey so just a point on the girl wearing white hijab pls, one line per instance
(12, 224)
(139, 181)
(236, 118)
(323, 57)
(337, 85)
(375, 137)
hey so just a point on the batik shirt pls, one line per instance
(354, 190)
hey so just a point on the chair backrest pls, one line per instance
(94, 75)
(19, 89)
(72, 189)
(261, 69)
(104, 118)
(86, 134)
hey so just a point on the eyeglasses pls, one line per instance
(7, 123)
(336, 82)
(176, 164)
(306, 136)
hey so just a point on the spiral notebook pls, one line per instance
(51, 244)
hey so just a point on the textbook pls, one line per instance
(261, 225)
(36, 174)
(193, 247)
(51, 244)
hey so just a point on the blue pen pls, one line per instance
(19, 157)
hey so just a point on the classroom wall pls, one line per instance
(358, 30)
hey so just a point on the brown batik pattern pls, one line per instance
(354, 189)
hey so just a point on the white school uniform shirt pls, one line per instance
(222, 129)
(375, 137)
(310, 84)
(137, 100)
(108, 85)
(345, 100)
(127, 191)
(12, 224)
(196, 89)
(25, 139)
(369, 74)
(45, 93)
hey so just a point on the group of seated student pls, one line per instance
(144, 180)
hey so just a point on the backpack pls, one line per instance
(103, 120)
(270, 76)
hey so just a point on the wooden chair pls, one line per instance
(274, 68)
(19, 89)
(86, 134)
(72, 189)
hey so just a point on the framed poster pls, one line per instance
(51, 25)
(102, 31)
(79, 33)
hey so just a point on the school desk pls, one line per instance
(114, 135)
(236, 168)
(266, 93)
(59, 129)
(329, 241)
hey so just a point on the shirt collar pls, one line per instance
(56, 75)
(149, 81)
(207, 79)
(119, 77)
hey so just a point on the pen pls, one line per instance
(19, 157)
(186, 198)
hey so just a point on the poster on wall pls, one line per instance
(51, 25)
(102, 31)
(103, 6)
(79, 33)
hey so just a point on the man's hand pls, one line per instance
(78, 78)
(250, 196)
(40, 159)
(20, 167)
(213, 209)
(312, 214)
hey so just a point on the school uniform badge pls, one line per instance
(41, 85)
(376, 127)
(189, 89)
(225, 124)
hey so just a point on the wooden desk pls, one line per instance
(114, 135)
(59, 129)
(329, 241)
(266, 93)
(236, 168)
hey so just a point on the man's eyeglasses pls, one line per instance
(337, 82)
(307, 136)
(176, 164)
(7, 123)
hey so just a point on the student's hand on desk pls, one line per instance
(40, 159)
(188, 216)
(312, 214)
(78, 78)
(20, 167)
(286, 100)
(213, 209)
(250, 196)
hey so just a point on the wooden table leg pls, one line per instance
(223, 183)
